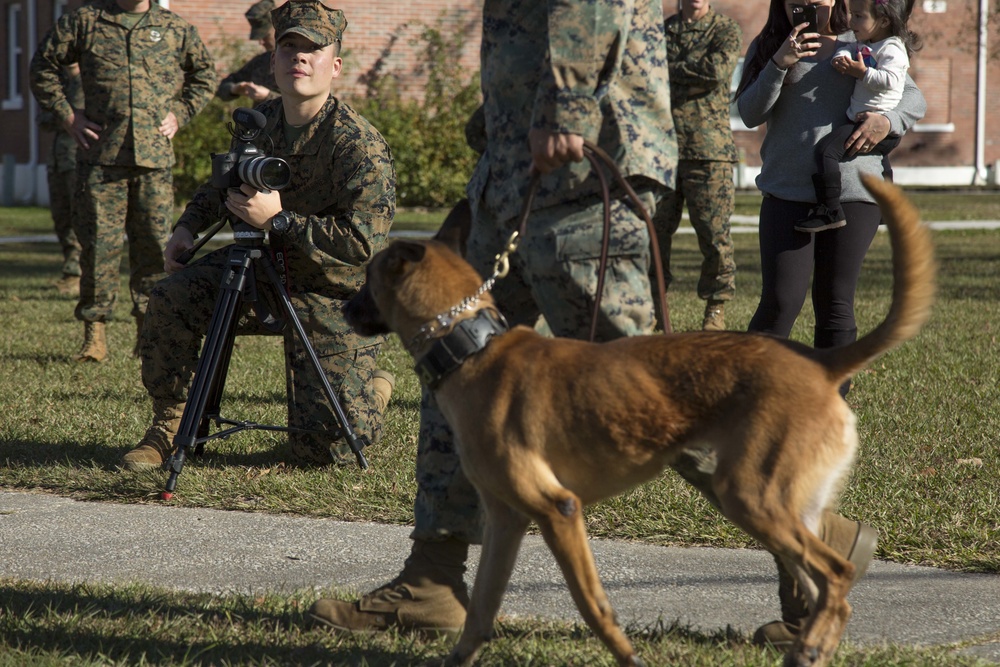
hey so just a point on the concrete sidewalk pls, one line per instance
(50, 538)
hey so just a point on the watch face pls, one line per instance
(280, 222)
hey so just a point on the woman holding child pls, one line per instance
(790, 83)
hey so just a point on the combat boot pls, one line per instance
(68, 285)
(714, 316)
(156, 446)
(139, 318)
(383, 382)
(95, 343)
(428, 596)
(854, 541)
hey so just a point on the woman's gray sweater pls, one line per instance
(803, 104)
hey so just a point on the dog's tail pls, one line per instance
(913, 275)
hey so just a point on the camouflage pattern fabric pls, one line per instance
(131, 78)
(178, 317)
(107, 195)
(702, 57)
(312, 19)
(708, 189)
(256, 70)
(584, 67)
(134, 70)
(341, 202)
(61, 172)
(259, 18)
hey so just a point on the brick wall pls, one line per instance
(375, 30)
(945, 69)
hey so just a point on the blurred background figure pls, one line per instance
(61, 171)
(703, 47)
(145, 73)
(255, 79)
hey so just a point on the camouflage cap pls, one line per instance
(310, 18)
(259, 17)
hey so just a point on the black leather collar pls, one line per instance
(466, 339)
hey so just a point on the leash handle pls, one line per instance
(595, 153)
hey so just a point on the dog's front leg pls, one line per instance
(502, 535)
(561, 522)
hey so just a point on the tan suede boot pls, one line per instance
(139, 318)
(68, 285)
(854, 541)
(428, 596)
(715, 319)
(95, 343)
(383, 382)
(158, 443)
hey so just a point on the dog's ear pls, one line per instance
(454, 231)
(403, 253)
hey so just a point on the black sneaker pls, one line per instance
(820, 219)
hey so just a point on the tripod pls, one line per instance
(238, 284)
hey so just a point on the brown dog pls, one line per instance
(546, 426)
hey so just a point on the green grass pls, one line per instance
(927, 473)
(99, 625)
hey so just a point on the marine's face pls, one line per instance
(304, 70)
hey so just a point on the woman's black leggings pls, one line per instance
(833, 257)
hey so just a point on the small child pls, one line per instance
(878, 60)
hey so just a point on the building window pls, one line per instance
(15, 59)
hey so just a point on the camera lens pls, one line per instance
(265, 173)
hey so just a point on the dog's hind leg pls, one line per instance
(821, 571)
(502, 535)
(560, 518)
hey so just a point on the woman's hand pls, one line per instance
(798, 45)
(871, 128)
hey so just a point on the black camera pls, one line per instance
(245, 163)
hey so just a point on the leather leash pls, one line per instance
(596, 156)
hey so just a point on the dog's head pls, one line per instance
(408, 284)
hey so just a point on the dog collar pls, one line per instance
(451, 350)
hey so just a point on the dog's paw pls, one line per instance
(806, 656)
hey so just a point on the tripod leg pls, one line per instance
(209, 376)
(356, 442)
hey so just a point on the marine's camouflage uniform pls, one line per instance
(256, 70)
(702, 56)
(133, 74)
(590, 68)
(342, 201)
(61, 172)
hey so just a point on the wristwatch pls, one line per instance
(281, 222)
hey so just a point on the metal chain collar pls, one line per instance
(501, 267)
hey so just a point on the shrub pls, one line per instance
(427, 136)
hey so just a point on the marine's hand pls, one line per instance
(82, 129)
(180, 241)
(251, 90)
(871, 128)
(169, 125)
(253, 207)
(551, 150)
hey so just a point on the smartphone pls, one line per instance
(805, 14)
